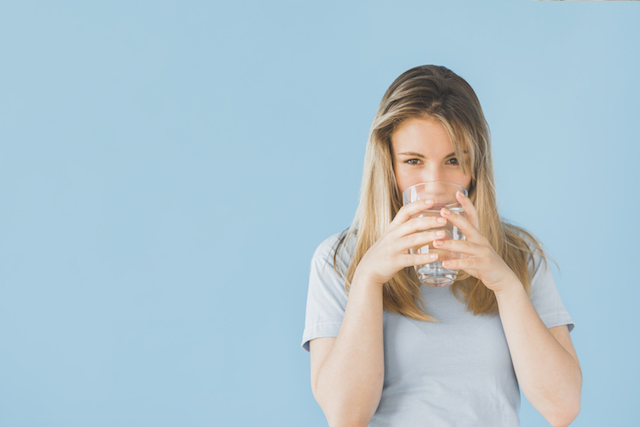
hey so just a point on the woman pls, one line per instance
(386, 351)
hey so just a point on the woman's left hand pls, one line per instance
(479, 259)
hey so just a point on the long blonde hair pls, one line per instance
(437, 92)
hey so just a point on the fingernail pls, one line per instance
(428, 202)
(442, 220)
(445, 211)
(460, 193)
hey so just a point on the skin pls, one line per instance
(421, 150)
(347, 372)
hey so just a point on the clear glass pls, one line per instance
(444, 195)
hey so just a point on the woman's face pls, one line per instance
(422, 151)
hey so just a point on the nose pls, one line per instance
(432, 173)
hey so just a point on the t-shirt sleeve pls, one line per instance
(326, 298)
(545, 297)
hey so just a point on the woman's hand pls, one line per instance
(479, 259)
(390, 253)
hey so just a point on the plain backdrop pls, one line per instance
(168, 168)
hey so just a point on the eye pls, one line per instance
(454, 160)
(412, 162)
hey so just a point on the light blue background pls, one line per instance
(168, 168)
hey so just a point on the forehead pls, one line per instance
(423, 135)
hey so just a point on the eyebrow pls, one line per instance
(414, 154)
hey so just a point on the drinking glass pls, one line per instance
(444, 196)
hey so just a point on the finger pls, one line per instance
(418, 240)
(418, 259)
(470, 231)
(461, 264)
(469, 209)
(407, 211)
(422, 223)
(459, 246)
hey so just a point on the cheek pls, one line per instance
(403, 180)
(457, 177)
(466, 182)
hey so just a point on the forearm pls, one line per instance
(548, 374)
(350, 381)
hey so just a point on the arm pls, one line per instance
(347, 372)
(544, 359)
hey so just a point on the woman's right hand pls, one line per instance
(390, 253)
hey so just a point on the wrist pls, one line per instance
(361, 277)
(508, 287)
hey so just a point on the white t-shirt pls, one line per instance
(454, 372)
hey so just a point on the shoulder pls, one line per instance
(528, 244)
(342, 242)
(327, 279)
(544, 293)
(328, 246)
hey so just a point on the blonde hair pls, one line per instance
(436, 92)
